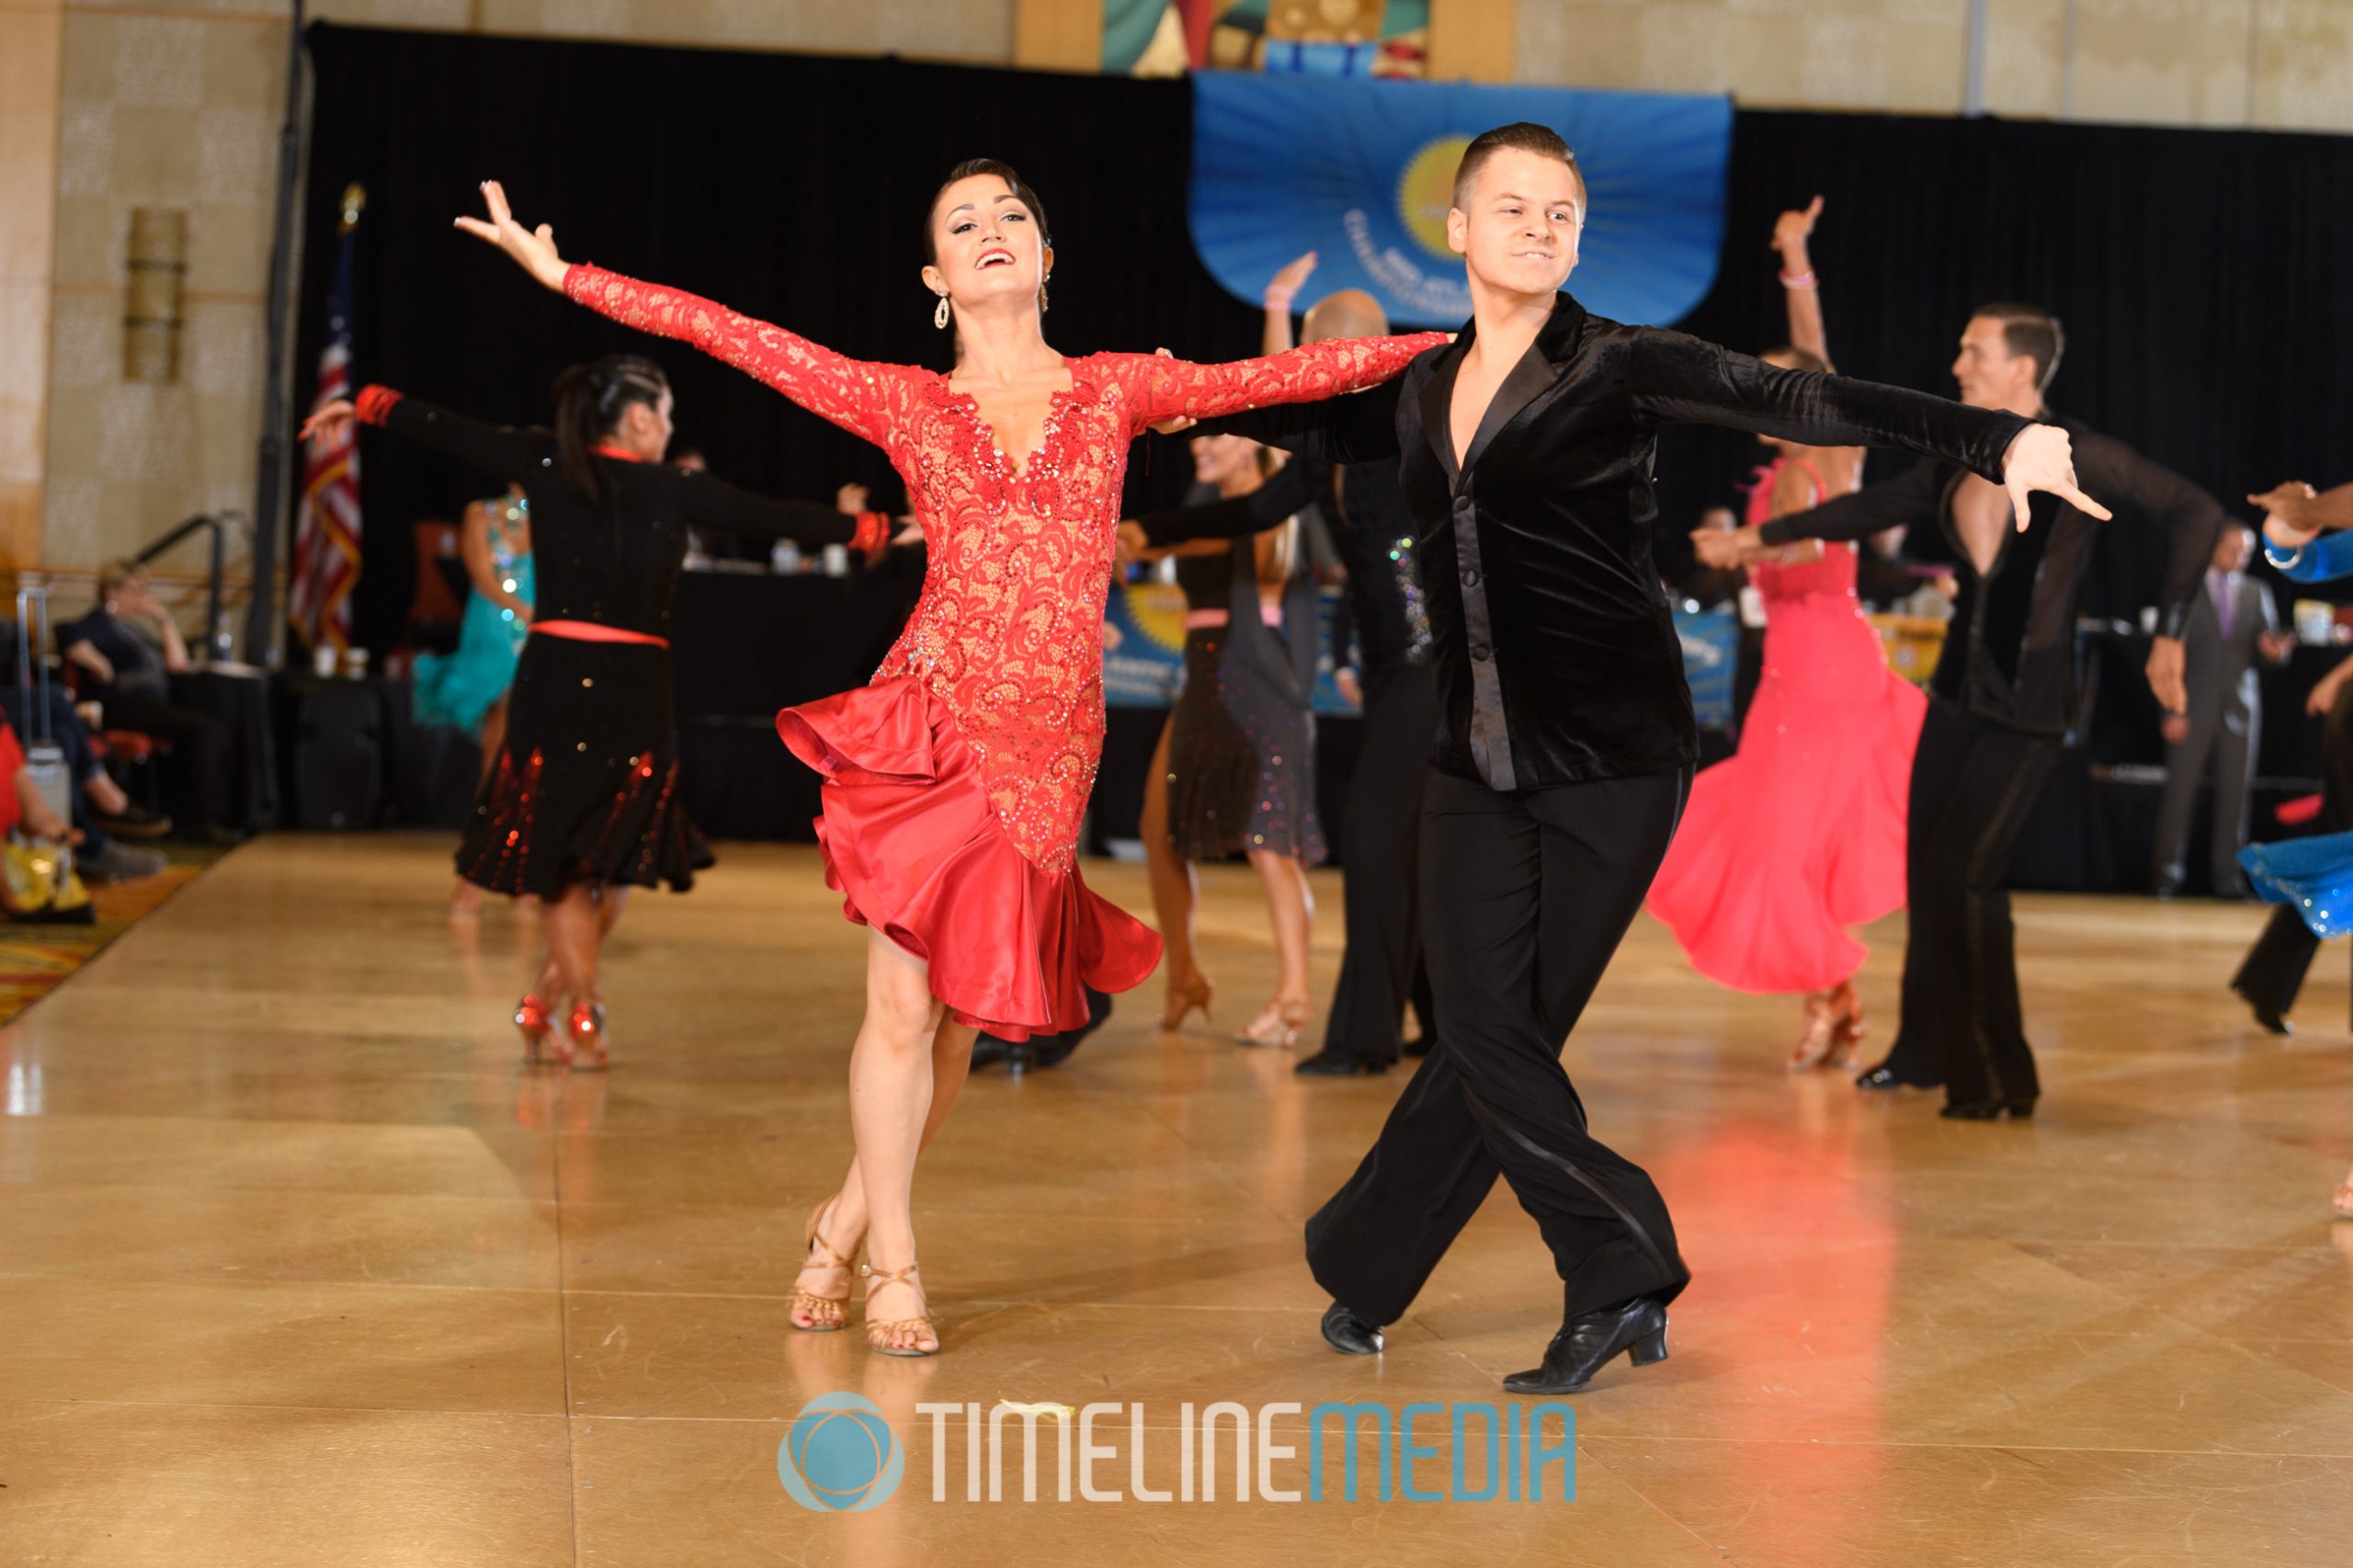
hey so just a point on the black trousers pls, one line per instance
(2274, 968)
(201, 750)
(1380, 965)
(1525, 896)
(1974, 782)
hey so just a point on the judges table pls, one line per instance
(744, 644)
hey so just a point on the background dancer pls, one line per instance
(581, 801)
(467, 689)
(2001, 701)
(1234, 769)
(1567, 740)
(955, 782)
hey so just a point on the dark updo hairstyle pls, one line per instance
(590, 401)
(1014, 182)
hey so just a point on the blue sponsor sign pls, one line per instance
(1362, 171)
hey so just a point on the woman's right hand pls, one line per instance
(1792, 229)
(533, 249)
(329, 420)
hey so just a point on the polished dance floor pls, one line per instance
(299, 1266)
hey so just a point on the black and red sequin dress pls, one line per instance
(1242, 736)
(955, 782)
(586, 784)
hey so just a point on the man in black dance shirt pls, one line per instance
(1565, 744)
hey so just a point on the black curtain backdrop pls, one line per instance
(2200, 273)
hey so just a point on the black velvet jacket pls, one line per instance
(1553, 645)
(2009, 654)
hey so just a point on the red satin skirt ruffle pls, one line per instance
(913, 846)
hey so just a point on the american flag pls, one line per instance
(326, 525)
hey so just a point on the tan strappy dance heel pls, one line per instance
(826, 1314)
(879, 1334)
(1197, 992)
(1278, 1024)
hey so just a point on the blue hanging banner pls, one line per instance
(1362, 172)
(1710, 640)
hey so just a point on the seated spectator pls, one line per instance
(129, 649)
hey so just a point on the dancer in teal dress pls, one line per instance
(468, 688)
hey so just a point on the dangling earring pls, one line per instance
(940, 316)
(1043, 306)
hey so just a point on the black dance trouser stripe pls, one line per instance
(1974, 783)
(1379, 833)
(1524, 897)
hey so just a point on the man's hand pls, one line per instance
(2166, 666)
(2042, 457)
(2288, 502)
(2322, 696)
(2276, 645)
(850, 499)
(1133, 543)
(1726, 550)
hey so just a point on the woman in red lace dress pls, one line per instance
(954, 782)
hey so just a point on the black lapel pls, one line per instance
(1438, 404)
(1528, 379)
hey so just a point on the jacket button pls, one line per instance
(1470, 579)
(1462, 507)
(1479, 652)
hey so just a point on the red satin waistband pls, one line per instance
(1205, 620)
(591, 631)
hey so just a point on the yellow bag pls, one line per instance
(38, 882)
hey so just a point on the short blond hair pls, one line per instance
(115, 575)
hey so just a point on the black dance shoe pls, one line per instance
(1015, 1058)
(2271, 1018)
(1348, 1334)
(1334, 1062)
(1588, 1344)
(2019, 1109)
(1885, 1077)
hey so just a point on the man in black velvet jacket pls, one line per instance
(2001, 701)
(1565, 744)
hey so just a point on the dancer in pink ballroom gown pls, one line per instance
(1800, 835)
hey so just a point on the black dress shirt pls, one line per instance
(1553, 640)
(2009, 654)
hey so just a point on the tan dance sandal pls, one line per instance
(879, 1333)
(826, 1314)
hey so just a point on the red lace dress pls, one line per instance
(955, 782)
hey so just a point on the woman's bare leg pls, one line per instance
(1291, 908)
(1172, 892)
(891, 1084)
(844, 1221)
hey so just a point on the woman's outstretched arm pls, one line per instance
(861, 397)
